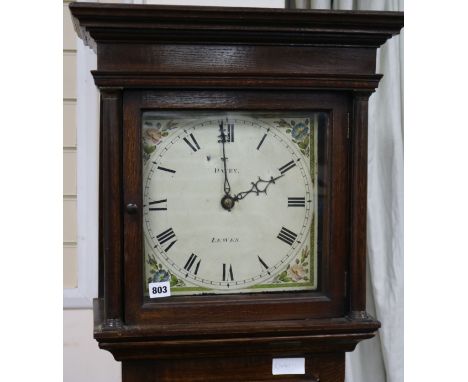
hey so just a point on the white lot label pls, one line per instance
(282, 366)
(157, 290)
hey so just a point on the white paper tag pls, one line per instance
(157, 290)
(282, 366)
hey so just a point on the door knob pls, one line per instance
(132, 208)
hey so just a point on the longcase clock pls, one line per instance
(233, 176)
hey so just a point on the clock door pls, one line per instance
(232, 212)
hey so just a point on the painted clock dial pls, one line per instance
(230, 201)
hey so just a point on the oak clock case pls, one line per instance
(233, 166)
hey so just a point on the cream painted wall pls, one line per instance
(70, 273)
(82, 359)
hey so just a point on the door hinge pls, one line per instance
(347, 131)
(345, 284)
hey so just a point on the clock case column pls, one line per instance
(236, 51)
(358, 207)
(110, 208)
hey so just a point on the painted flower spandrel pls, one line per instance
(300, 131)
(296, 272)
(160, 275)
(154, 135)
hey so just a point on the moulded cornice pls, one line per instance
(366, 83)
(101, 23)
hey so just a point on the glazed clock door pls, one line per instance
(233, 203)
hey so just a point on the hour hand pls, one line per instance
(258, 187)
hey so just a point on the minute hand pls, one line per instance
(227, 186)
(258, 187)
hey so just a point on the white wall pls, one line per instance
(82, 359)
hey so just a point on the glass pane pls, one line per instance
(232, 200)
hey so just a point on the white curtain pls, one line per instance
(381, 359)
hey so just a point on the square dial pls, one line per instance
(231, 201)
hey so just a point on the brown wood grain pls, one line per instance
(328, 367)
(111, 210)
(241, 60)
(358, 227)
(232, 81)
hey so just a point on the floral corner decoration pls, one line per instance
(299, 132)
(158, 274)
(297, 271)
(153, 132)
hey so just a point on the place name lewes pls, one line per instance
(225, 240)
(229, 170)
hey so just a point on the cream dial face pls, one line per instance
(204, 244)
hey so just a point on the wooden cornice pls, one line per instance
(123, 23)
(223, 81)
